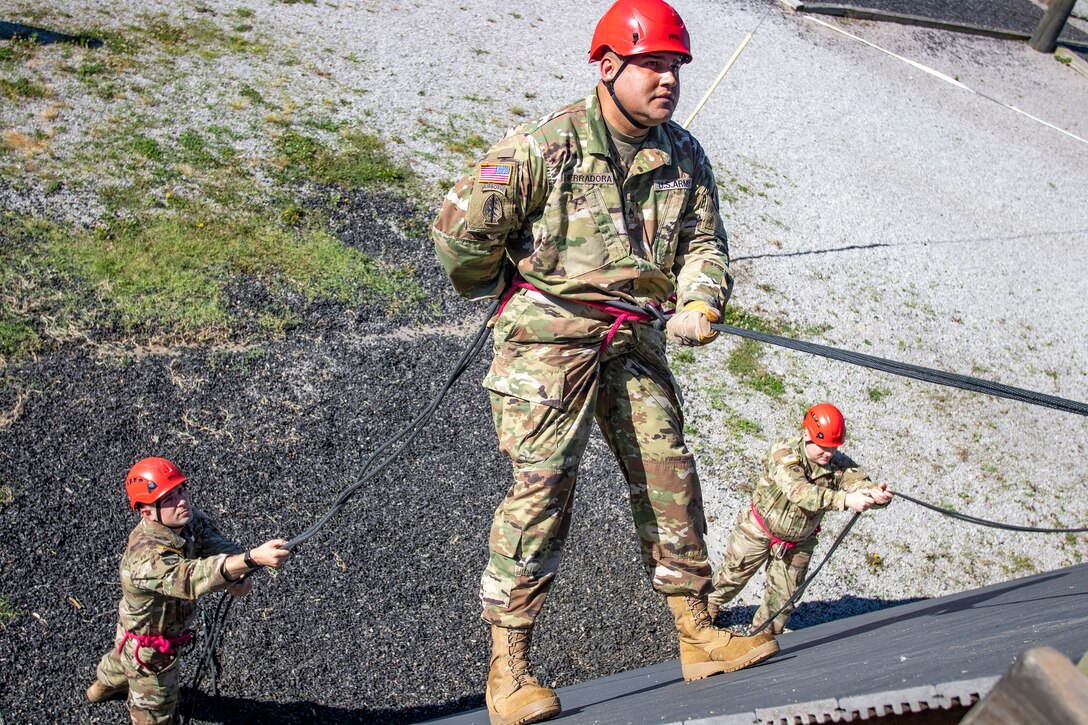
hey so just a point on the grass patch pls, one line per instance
(168, 274)
(683, 356)
(737, 317)
(739, 424)
(147, 147)
(468, 144)
(878, 394)
(745, 364)
(362, 162)
(8, 611)
(172, 275)
(21, 88)
(201, 153)
(17, 339)
(199, 35)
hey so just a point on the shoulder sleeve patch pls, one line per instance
(789, 460)
(169, 555)
(492, 172)
(492, 207)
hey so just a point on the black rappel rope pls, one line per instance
(214, 624)
(944, 512)
(405, 436)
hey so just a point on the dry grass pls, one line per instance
(28, 146)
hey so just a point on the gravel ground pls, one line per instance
(869, 204)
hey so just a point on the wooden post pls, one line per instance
(1045, 38)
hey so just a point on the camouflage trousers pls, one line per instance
(749, 549)
(152, 695)
(548, 381)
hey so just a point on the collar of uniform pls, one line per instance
(164, 534)
(812, 470)
(656, 149)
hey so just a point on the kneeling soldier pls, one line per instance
(801, 480)
(174, 555)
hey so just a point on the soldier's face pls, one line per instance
(174, 508)
(820, 455)
(649, 87)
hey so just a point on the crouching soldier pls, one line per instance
(801, 480)
(174, 556)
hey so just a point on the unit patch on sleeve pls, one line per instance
(489, 212)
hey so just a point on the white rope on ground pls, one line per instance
(943, 77)
(736, 54)
(721, 75)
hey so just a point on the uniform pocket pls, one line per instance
(581, 233)
(670, 207)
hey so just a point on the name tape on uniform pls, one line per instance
(572, 178)
(669, 184)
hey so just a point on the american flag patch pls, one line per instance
(495, 173)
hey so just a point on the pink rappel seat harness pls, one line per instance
(775, 541)
(165, 645)
(622, 315)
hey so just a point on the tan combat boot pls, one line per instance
(706, 650)
(98, 692)
(513, 694)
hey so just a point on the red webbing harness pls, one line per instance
(620, 314)
(775, 541)
(154, 641)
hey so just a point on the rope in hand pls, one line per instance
(943, 511)
(917, 372)
(214, 624)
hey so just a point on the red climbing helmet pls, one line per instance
(632, 27)
(151, 479)
(825, 425)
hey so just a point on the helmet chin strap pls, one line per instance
(615, 99)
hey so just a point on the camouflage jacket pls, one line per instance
(163, 573)
(548, 199)
(793, 493)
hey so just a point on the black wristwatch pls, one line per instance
(249, 561)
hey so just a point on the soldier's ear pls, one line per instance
(609, 64)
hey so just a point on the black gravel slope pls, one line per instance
(376, 619)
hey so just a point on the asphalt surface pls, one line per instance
(924, 653)
(1016, 15)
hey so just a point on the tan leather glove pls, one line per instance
(691, 325)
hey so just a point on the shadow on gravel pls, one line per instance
(809, 614)
(923, 242)
(975, 600)
(9, 31)
(239, 711)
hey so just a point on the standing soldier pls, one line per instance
(174, 555)
(604, 200)
(801, 480)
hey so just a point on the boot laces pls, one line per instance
(701, 617)
(517, 652)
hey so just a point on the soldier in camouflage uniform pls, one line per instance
(801, 480)
(603, 200)
(174, 556)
